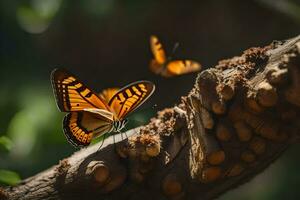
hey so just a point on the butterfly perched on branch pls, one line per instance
(89, 114)
(165, 66)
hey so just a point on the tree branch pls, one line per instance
(238, 118)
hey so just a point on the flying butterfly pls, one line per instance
(164, 66)
(89, 114)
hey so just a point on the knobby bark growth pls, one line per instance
(239, 117)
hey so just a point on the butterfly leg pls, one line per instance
(114, 139)
(126, 135)
(121, 135)
(102, 142)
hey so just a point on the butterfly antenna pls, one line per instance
(176, 45)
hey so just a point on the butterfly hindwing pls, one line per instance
(130, 98)
(108, 93)
(81, 127)
(72, 95)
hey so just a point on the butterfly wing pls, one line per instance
(81, 127)
(130, 98)
(157, 68)
(178, 67)
(108, 93)
(157, 50)
(72, 95)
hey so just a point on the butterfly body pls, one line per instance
(118, 125)
(89, 114)
(165, 66)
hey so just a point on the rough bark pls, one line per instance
(239, 117)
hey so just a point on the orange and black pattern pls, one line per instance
(90, 115)
(76, 134)
(178, 67)
(157, 50)
(71, 94)
(81, 127)
(130, 98)
(167, 67)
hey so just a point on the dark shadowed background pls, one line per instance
(106, 44)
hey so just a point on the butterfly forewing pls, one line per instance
(131, 97)
(72, 95)
(81, 127)
(157, 50)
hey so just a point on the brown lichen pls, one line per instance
(266, 94)
(63, 167)
(166, 122)
(256, 55)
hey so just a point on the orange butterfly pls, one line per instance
(89, 115)
(167, 67)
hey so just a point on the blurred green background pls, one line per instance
(105, 43)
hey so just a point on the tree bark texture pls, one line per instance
(239, 117)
